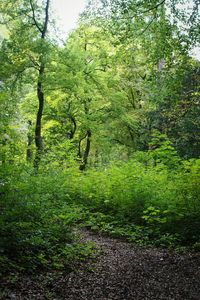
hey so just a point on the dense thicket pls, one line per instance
(102, 131)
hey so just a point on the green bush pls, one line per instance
(32, 229)
(138, 200)
(141, 193)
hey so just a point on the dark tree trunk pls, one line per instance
(79, 146)
(40, 92)
(30, 140)
(38, 127)
(73, 130)
(86, 152)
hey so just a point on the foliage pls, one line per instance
(162, 201)
(144, 203)
(36, 225)
(115, 136)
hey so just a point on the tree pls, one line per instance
(152, 35)
(41, 70)
(28, 48)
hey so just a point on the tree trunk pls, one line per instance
(86, 152)
(40, 92)
(38, 127)
(30, 140)
(73, 129)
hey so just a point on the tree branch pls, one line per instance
(33, 17)
(154, 7)
(147, 27)
(142, 12)
(44, 30)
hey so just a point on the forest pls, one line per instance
(98, 132)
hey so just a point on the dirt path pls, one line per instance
(121, 272)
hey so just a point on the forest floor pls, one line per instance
(121, 271)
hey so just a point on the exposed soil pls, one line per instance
(121, 272)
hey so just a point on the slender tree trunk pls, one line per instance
(40, 91)
(86, 152)
(30, 140)
(79, 146)
(73, 129)
(38, 127)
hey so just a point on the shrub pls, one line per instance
(31, 228)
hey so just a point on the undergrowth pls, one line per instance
(139, 200)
